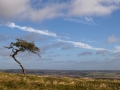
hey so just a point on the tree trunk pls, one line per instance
(20, 65)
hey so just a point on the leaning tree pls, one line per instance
(22, 46)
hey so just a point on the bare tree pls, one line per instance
(21, 46)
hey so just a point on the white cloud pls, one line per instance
(81, 45)
(93, 7)
(117, 48)
(12, 8)
(112, 39)
(22, 9)
(48, 12)
(30, 29)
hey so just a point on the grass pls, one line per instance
(16, 82)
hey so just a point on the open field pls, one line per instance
(9, 81)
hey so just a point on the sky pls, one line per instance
(71, 34)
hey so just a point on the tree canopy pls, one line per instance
(23, 45)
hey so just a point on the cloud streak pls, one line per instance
(47, 33)
(88, 21)
(81, 45)
(30, 29)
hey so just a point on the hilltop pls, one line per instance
(9, 81)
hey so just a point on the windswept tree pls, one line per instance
(22, 46)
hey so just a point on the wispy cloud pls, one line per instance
(74, 43)
(47, 33)
(81, 45)
(88, 21)
(86, 40)
(30, 29)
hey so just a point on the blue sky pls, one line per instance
(72, 34)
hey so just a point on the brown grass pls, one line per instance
(16, 82)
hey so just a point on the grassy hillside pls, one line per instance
(16, 82)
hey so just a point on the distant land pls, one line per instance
(103, 74)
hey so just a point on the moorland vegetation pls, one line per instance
(14, 81)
